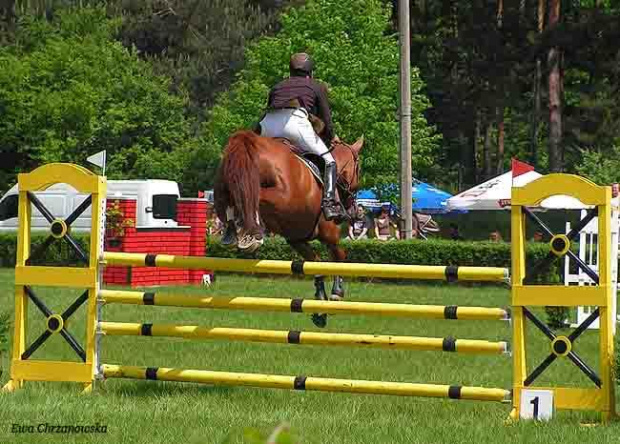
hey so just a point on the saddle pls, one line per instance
(314, 163)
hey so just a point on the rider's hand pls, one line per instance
(336, 139)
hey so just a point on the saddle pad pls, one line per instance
(312, 167)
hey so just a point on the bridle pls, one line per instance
(343, 184)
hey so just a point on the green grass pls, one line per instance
(148, 412)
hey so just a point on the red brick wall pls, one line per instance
(193, 213)
(189, 239)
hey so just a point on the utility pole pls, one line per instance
(406, 178)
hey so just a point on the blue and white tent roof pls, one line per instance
(426, 199)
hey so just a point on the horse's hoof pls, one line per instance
(336, 297)
(320, 320)
(250, 244)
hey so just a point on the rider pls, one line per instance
(291, 105)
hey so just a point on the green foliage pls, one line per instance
(199, 44)
(58, 253)
(357, 59)
(557, 316)
(68, 90)
(599, 167)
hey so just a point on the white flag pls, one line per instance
(98, 159)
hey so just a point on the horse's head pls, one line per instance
(347, 159)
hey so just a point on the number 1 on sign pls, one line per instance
(536, 404)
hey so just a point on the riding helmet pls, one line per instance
(301, 65)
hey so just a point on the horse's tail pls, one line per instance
(240, 171)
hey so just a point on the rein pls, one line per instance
(342, 183)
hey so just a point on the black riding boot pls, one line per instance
(331, 207)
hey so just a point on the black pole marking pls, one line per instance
(294, 337)
(296, 306)
(151, 373)
(450, 312)
(454, 392)
(148, 298)
(299, 383)
(297, 267)
(146, 330)
(449, 344)
(452, 273)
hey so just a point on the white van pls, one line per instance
(155, 207)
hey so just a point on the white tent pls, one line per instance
(494, 194)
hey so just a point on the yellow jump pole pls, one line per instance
(448, 344)
(307, 383)
(305, 306)
(424, 272)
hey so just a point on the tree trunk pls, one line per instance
(7, 21)
(555, 95)
(499, 110)
(535, 127)
(500, 139)
(475, 146)
(487, 150)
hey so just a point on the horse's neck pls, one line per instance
(339, 154)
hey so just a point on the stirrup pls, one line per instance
(333, 211)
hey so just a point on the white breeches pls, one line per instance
(293, 124)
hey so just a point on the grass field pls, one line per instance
(148, 412)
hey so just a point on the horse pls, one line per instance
(267, 185)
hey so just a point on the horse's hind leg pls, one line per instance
(306, 251)
(225, 212)
(337, 254)
(329, 235)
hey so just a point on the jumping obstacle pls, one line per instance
(306, 306)
(600, 398)
(448, 344)
(307, 383)
(421, 272)
(589, 256)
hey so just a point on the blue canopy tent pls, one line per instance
(426, 199)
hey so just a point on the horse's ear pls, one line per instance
(357, 146)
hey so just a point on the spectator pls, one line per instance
(495, 236)
(214, 226)
(454, 232)
(538, 237)
(383, 225)
(358, 228)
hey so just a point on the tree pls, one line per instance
(67, 90)
(359, 62)
(555, 94)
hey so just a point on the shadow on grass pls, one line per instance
(148, 389)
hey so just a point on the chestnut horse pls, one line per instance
(268, 186)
